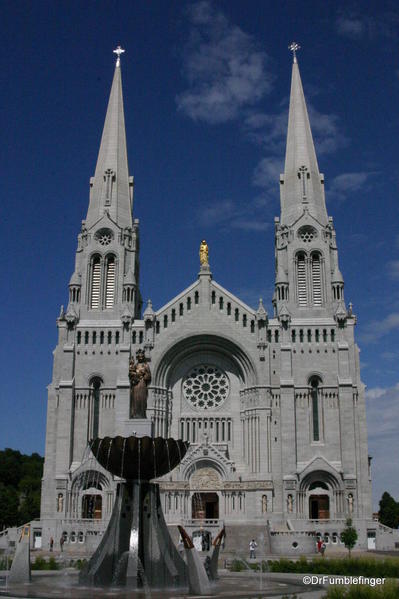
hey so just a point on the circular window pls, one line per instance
(104, 236)
(307, 234)
(206, 387)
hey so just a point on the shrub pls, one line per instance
(389, 590)
(237, 566)
(384, 568)
(42, 564)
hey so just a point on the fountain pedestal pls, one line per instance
(136, 548)
(139, 427)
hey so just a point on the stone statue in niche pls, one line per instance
(350, 503)
(290, 503)
(60, 502)
(264, 504)
(140, 378)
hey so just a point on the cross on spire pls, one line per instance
(294, 47)
(118, 51)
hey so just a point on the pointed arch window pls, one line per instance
(316, 279)
(309, 279)
(302, 288)
(95, 282)
(315, 395)
(110, 282)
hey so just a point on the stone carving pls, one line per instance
(205, 478)
(140, 378)
(204, 253)
(264, 504)
(290, 503)
(350, 503)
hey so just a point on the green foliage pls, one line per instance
(79, 564)
(41, 564)
(389, 590)
(5, 563)
(349, 536)
(237, 566)
(372, 568)
(20, 484)
(389, 511)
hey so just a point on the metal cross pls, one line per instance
(118, 52)
(294, 47)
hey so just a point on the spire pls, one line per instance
(302, 183)
(111, 184)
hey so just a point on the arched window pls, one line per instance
(110, 282)
(302, 288)
(95, 282)
(94, 414)
(316, 280)
(315, 407)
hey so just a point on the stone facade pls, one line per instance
(273, 406)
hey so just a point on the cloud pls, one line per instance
(226, 215)
(382, 409)
(378, 328)
(393, 269)
(358, 26)
(223, 66)
(348, 183)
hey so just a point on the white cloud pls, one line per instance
(226, 215)
(348, 183)
(225, 69)
(383, 433)
(393, 268)
(378, 328)
(361, 26)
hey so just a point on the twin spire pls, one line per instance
(302, 183)
(111, 186)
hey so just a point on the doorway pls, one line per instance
(205, 506)
(319, 507)
(92, 507)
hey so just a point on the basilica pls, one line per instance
(272, 404)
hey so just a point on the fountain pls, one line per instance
(136, 549)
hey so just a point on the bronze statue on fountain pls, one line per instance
(136, 549)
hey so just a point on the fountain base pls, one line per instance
(136, 549)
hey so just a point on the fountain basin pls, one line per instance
(138, 458)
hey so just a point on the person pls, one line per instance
(51, 543)
(319, 544)
(323, 548)
(252, 547)
(62, 541)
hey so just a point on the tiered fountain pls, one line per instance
(136, 549)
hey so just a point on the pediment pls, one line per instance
(320, 463)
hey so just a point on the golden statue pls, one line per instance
(204, 253)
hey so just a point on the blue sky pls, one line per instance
(206, 96)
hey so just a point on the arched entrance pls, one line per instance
(92, 507)
(205, 506)
(319, 507)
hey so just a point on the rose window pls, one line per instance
(206, 387)
(307, 234)
(104, 236)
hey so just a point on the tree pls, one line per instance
(349, 536)
(389, 511)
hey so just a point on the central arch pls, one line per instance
(184, 347)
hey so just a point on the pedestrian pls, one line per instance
(51, 543)
(252, 547)
(62, 541)
(323, 548)
(319, 544)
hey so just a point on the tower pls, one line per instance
(90, 387)
(322, 396)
